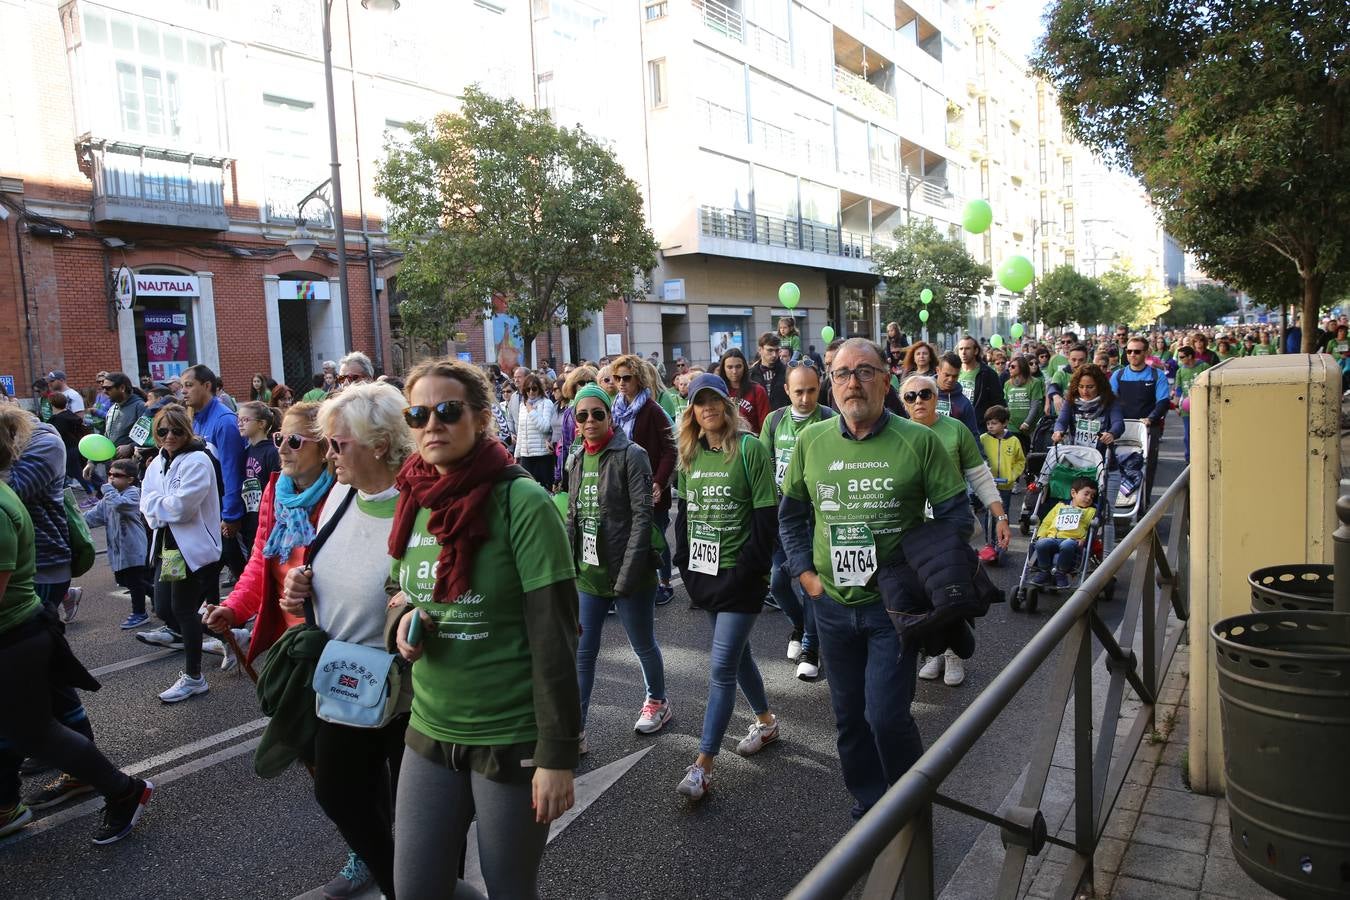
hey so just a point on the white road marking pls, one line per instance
(133, 662)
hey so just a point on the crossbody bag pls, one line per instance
(354, 685)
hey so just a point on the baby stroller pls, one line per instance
(1040, 446)
(1133, 440)
(1063, 463)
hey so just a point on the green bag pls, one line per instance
(81, 541)
(172, 566)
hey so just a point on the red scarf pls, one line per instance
(456, 502)
(604, 442)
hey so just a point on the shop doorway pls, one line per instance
(293, 316)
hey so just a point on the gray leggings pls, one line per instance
(432, 814)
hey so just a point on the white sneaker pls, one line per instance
(956, 669)
(213, 645)
(162, 636)
(931, 669)
(758, 735)
(655, 716)
(808, 666)
(695, 783)
(184, 688)
(70, 604)
(794, 650)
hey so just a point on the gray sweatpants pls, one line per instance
(432, 814)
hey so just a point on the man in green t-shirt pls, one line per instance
(1059, 381)
(854, 485)
(1187, 369)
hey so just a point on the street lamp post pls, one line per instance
(1036, 228)
(339, 230)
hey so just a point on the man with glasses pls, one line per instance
(355, 368)
(215, 424)
(126, 410)
(1061, 357)
(1142, 392)
(854, 485)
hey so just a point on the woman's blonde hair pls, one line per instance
(691, 431)
(372, 412)
(308, 414)
(16, 430)
(173, 416)
(575, 379)
(639, 367)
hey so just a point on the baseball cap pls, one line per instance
(708, 382)
(56, 375)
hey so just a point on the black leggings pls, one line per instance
(136, 579)
(355, 777)
(41, 720)
(540, 469)
(177, 602)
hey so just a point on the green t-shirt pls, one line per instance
(1021, 400)
(1061, 378)
(1185, 378)
(1262, 350)
(473, 684)
(592, 577)
(314, 395)
(780, 442)
(959, 443)
(880, 482)
(671, 401)
(967, 380)
(1058, 361)
(719, 497)
(17, 557)
(1337, 347)
(793, 342)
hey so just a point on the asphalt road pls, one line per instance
(215, 830)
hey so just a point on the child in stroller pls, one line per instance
(1063, 536)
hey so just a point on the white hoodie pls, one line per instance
(187, 500)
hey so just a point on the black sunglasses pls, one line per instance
(448, 411)
(585, 415)
(294, 441)
(625, 378)
(920, 394)
(175, 431)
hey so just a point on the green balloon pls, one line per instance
(978, 216)
(926, 296)
(923, 315)
(97, 448)
(827, 334)
(789, 294)
(996, 341)
(1016, 273)
(1017, 331)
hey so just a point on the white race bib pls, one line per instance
(251, 493)
(1085, 431)
(140, 432)
(1068, 519)
(590, 549)
(853, 555)
(704, 549)
(780, 466)
(944, 407)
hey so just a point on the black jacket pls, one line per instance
(988, 392)
(625, 537)
(774, 381)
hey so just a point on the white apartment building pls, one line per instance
(775, 140)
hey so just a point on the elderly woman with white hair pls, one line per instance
(356, 769)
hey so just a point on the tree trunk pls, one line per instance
(1312, 303)
(1284, 324)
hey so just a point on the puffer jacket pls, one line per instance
(534, 428)
(38, 476)
(625, 498)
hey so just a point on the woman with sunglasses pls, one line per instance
(356, 769)
(1025, 394)
(534, 427)
(920, 396)
(724, 535)
(609, 522)
(638, 416)
(288, 513)
(481, 557)
(180, 499)
(752, 401)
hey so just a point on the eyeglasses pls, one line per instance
(447, 411)
(920, 394)
(340, 445)
(348, 379)
(864, 373)
(809, 363)
(590, 414)
(1134, 351)
(175, 431)
(624, 379)
(294, 441)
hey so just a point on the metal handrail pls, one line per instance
(894, 840)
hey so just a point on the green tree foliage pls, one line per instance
(1204, 304)
(924, 257)
(1122, 298)
(1066, 297)
(1233, 113)
(498, 200)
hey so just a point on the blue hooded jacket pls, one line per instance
(219, 427)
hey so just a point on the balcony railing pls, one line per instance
(721, 121)
(722, 19)
(862, 90)
(774, 231)
(780, 141)
(156, 187)
(284, 193)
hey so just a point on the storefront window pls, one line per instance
(725, 332)
(164, 339)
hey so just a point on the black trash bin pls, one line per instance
(1284, 703)
(1294, 586)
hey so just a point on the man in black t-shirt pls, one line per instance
(770, 372)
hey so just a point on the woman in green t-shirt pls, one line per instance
(1025, 393)
(481, 554)
(609, 524)
(724, 534)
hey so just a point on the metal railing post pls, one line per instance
(918, 881)
(1084, 795)
(1341, 586)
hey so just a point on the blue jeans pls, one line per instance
(661, 519)
(638, 616)
(871, 688)
(1186, 435)
(1059, 553)
(732, 664)
(989, 531)
(788, 593)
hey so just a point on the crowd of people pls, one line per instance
(462, 536)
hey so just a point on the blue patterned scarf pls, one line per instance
(292, 527)
(625, 413)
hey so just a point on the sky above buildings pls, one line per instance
(1019, 21)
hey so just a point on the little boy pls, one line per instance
(119, 510)
(1063, 534)
(1006, 461)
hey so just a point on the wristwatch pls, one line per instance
(1002, 518)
